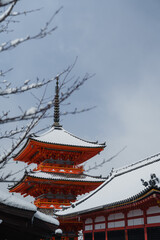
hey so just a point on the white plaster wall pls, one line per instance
(100, 219)
(154, 209)
(115, 216)
(88, 227)
(134, 213)
(134, 222)
(88, 220)
(116, 224)
(155, 219)
(100, 226)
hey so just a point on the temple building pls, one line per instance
(59, 176)
(125, 207)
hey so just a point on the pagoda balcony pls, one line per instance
(59, 169)
(52, 204)
(51, 196)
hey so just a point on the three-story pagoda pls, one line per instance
(59, 176)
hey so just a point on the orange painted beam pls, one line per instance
(33, 150)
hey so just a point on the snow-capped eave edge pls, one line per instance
(72, 135)
(138, 164)
(85, 140)
(22, 149)
(18, 182)
(100, 145)
(68, 179)
(31, 137)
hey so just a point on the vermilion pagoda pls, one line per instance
(59, 177)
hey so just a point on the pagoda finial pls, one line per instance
(56, 105)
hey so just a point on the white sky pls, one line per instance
(119, 41)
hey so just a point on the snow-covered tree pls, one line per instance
(16, 126)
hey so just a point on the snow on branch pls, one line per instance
(40, 109)
(27, 115)
(9, 17)
(25, 86)
(9, 154)
(10, 134)
(7, 12)
(45, 106)
(13, 14)
(43, 32)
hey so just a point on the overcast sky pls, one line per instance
(119, 41)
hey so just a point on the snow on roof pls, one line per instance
(46, 218)
(58, 231)
(60, 136)
(123, 184)
(12, 201)
(64, 177)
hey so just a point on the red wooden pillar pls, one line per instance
(106, 237)
(92, 235)
(126, 224)
(145, 233)
(126, 234)
(145, 225)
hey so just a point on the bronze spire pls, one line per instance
(56, 105)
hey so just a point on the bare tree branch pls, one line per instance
(4, 3)
(8, 155)
(7, 12)
(43, 32)
(42, 105)
(105, 161)
(25, 86)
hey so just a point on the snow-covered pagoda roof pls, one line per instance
(55, 141)
(39, 176)
(59, 136)
(65, 177)
(123, 186)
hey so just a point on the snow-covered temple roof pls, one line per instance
(7, 199)
(12, 201)
(20, 219)
(122, 186)
(65, 177)
(59, 136)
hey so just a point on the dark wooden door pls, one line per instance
(116, 235)
(137, 234)
(88, 236)
(153, 233)
(99, 236)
